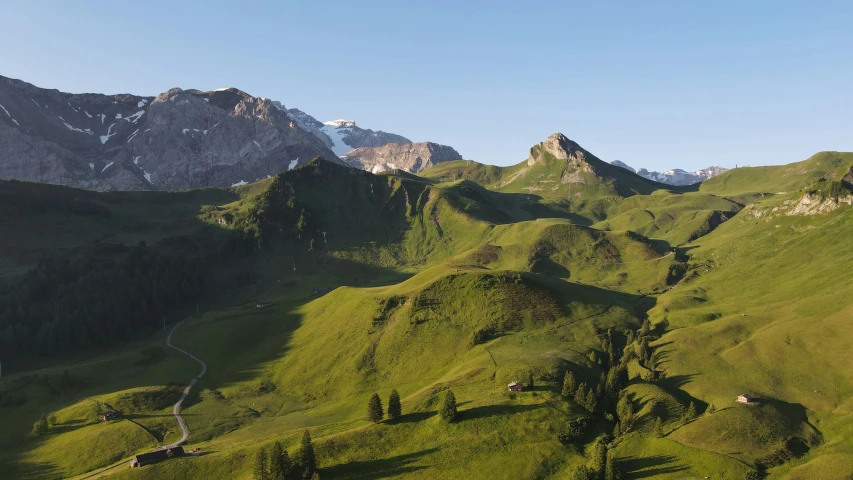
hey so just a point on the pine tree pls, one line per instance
(395, 409)
(580, 394)
(530, 383)
(307, 460)
(591, 401)
(611, 469)
(279, 461)
(40, 427)
(316, 476)
(448, 409)
(374, 409)
(644, 330)
(599, 457)
(569, 384)
(259, 472)
(690, 414)
(711, 409)
(657, 428)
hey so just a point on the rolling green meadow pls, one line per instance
(664, 302)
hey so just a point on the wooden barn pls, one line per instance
(516, 387)
(156, 456)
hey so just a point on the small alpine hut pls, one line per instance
(109, 415)
(156, 456)
(515, 387)
(746, 399)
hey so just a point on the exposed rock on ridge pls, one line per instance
(411, 157)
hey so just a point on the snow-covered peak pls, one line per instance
(340, 123)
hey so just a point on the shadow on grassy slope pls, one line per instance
(495, 410)
(651, 466)
(381, 468)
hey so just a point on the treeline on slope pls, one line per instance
(103, 294)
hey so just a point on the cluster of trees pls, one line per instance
(40, 427)
(99, 296)
(602, 466)
(277, 464)
(604, 396)
(374, 407)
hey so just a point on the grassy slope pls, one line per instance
(766, 307)
(309, 362)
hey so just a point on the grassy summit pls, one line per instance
(663, 303)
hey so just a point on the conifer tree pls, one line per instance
(374, 409)
(448, 409)
(611, 469)
(40, 427)
(657, 428)
(307, 460)
(580, 394)
(569, 384)
(690, 414)
(279, 461)
(599, 457)
(395, 409)
(260, 472)
(530, 383)
(591, 401)
(644, 330)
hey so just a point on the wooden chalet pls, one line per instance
(156, 456)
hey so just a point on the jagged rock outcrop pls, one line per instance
(560, 147)
(411, 157)
(180, 139)
(676, 176)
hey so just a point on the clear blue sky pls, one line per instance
(655, 84)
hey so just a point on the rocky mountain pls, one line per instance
(411, 157)
(374, 151)
(177, 140)
(676, 176)
(341, 135)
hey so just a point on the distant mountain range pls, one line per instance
(373, 151)
(177, 140)
(676, 176)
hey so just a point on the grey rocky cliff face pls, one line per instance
(411, 157)
(178, 140)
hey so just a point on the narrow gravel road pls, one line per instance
(176, 410)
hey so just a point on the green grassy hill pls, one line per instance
(664, 303)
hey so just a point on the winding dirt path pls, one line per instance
(176, 410)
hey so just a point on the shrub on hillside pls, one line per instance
(149, 400)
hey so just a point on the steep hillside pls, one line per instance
(178, 140)
(781, 179)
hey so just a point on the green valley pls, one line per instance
(634, 313)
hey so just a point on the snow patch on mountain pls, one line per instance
(336, 134)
